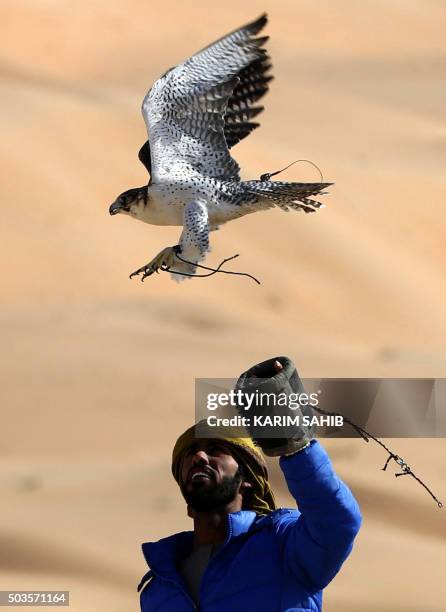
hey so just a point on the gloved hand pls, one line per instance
(276, 376)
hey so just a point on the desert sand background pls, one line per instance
(97, 371)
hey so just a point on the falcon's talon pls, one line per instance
(136, 273)
(163, 261)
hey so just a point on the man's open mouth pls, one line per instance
(198, 475)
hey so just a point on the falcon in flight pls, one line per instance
(194, 114)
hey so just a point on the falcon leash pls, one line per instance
(366, 436)
(212, 271)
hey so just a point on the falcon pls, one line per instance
(194, 114)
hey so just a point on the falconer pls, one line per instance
(244, 553)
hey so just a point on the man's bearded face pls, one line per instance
(210, 476)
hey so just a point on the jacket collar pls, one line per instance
(164, 556)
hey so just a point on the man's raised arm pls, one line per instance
(318, 540)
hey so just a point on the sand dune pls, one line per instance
(97, 371)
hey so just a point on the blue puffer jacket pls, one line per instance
(275, 563)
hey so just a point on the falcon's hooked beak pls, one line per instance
(117, 207)
(130, 200)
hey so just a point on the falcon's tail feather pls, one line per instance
(297, 196)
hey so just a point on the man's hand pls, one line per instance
(275, 389)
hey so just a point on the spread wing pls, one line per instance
(199, 109)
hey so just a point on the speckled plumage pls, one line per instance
(194, 114)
